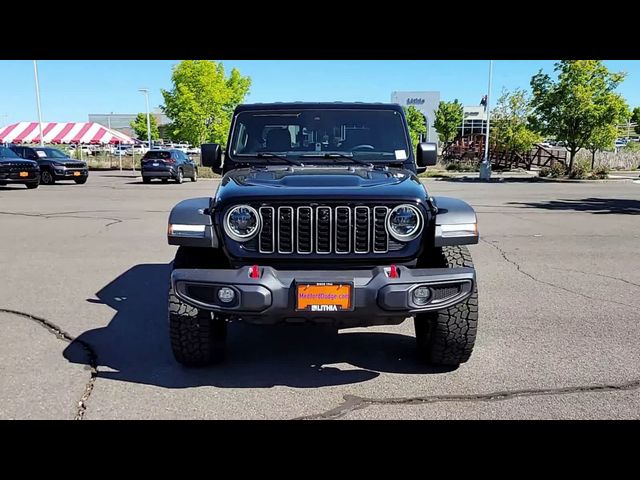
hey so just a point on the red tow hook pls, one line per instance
(393, 271)
(254, 272)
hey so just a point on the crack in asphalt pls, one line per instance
(113, 220)
(66, 337)
(353, 402)
(543, 282)
(598, 275)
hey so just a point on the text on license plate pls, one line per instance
(76, 174)
(24, 174)
(324, 297)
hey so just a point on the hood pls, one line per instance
(319, 182)
(17, 162)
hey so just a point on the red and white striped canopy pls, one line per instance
(56, 132)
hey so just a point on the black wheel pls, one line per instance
(447, 337)
(32, 185)
(46, 178)
(146, 179)
(198, 337)
(180, 176)
(165, 180)
(194, 178)
(81, 181)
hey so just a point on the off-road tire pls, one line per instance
(146, 179)
(198, 337)
(81, 181)
(32, 185)
(446, 337)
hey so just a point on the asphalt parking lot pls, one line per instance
(84, 285)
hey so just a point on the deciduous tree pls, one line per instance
(447, 120)
(581, 100)
(201, 102)
(139, 126)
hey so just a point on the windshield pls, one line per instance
(371, 134)
(50, 152)
(7, 153)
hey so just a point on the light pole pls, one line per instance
(35, 74)
(146, 96)
(485, 166)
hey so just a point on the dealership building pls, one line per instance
(426, 103)
(122, 121)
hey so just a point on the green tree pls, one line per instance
(417, 123)
(635, 118)
(579, 101)
(510, 128)
(202, 100)
(602, 138)
(139, 126)
(448, 120)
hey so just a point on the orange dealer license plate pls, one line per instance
(24, 174)
(76, 174)
(324, 297)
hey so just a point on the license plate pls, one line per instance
(324, 297)
(24, 174)
(76, 174)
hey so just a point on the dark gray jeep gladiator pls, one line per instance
(320, 217)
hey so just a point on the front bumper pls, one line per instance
(70, 174)
(14, 177)
(271, 298)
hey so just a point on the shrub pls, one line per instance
(600, 173)
(580, 170)
(452, 167)
(544, 172)
(557, 170)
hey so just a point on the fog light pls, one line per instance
(226, 295)
(421, 295)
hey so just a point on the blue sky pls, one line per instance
(71, 89)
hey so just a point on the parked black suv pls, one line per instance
(54, 164)
(166, 164)
(14, 169)
(320, 218)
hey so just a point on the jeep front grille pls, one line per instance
(324, 229)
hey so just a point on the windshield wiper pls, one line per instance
(338, 155)
(279, 157)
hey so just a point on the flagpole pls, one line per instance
(35, 74)
(485, 167)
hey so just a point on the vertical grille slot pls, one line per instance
(380, 236)
(267, 237)
(362, 227)
(323, 229)
(285, 229)
(343, 229)
(305, 229)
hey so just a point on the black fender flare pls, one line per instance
(453, 222)
(194, 212)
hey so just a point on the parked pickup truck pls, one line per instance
(320, 218)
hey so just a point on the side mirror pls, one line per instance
(426, 155)
(212, 156)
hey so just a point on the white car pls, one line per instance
(193, 151)
(137, 149)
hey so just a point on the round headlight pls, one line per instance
(404, 222)
(242, 223)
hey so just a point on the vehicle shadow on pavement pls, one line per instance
(134, 346)
(591, 205)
